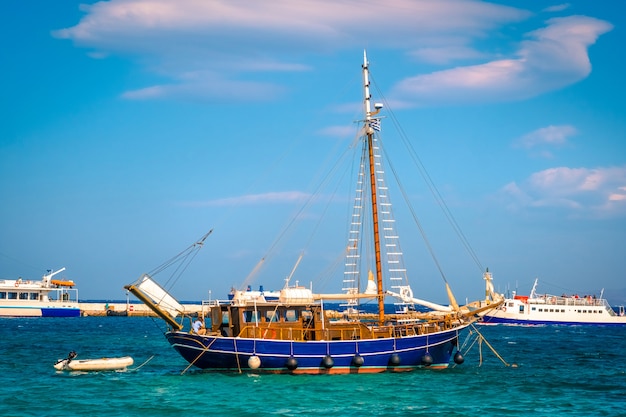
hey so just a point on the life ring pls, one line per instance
(17, 284)
(504, 308)
(269, 334)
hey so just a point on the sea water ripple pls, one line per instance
(565, 371)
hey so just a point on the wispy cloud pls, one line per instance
(254, 199)
(552, 58)
(551, 135)
(587, 192)
(216, 49)
(232, 40)
(557, 8)
(542, 140)
(447, 54)
(203, 84)
(339, 131)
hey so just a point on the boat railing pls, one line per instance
(24, 292)
(573, 301)
(351, 331)
(212, 303)
(343, 331)
(63, 295)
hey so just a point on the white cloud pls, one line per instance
(550, 135)
(255, 199)
(206, 85)
(592, 192)
(339, 131)
(234, 39)
(557, 8)
(446, 54)
(553, 57)
(540, 141)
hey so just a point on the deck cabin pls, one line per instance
(309, 321)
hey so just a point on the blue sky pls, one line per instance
(130, 128)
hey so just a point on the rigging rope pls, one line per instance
(290, 225)
(430, 183)
(183, 259)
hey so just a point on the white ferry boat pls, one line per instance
(544, 309)
(45, 298)
(251, 295)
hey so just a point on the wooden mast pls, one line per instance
(369, 131)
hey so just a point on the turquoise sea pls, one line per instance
(561, 371)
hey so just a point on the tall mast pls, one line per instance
(369, 131)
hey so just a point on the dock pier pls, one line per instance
(124, 309)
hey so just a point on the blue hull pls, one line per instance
(60, 312)
(378, 355)
(29, 311)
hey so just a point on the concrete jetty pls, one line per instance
(131, 309)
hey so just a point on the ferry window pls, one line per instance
(3, 295)
(533, 308)
(12, 295)
(251, 316)
(225, 317)
(511, 305)
(551, 310)
(23, 296)
(34, 296)
(521, 309)
(271, 316)
(291, 315)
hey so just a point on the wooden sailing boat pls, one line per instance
(295, 334)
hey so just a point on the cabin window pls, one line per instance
(225, 317)
(271, 316)
(511, 305)
(251, 316)
(521, 309)
(23, 296)
(3, 295)
(12, 295)
(34, 296)
(291, 315)
(533, 308)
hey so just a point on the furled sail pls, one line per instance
(155, 297)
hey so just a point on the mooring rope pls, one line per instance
(237, 355)
(490, 347)
(480, 339)
(198, 357)
(137, 368)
